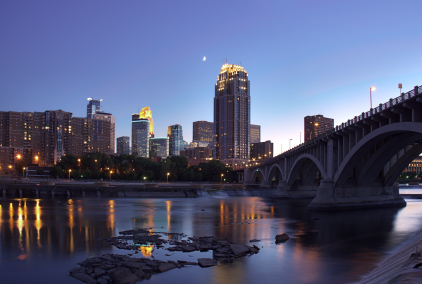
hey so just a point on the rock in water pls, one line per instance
(206, 262)
(281, 238)
(83, 277)
(239, 249)
(123, 275)
(165, 266)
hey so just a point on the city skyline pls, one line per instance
(298, 69)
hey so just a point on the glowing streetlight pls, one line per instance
(110, 174)
(370, 94)
(289, 143)
(69, 173)
(400, 86)
(18, 156)
(168, 177)
(23, 172)
(221, 180)
(36, 158)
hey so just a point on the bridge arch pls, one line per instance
(258, 174)
(394, 137)
(273, 171)
(310, 171)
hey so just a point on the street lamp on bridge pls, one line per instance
(289, 142)
(370, 94)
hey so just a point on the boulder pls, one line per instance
(281, 238)
(121, 275)
(206, 262)
(239, 249)
(101, 281)
(83, 277)
(166, 266)
(98, 271)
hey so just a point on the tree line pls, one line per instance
(129, 167)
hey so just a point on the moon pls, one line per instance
(203, 59)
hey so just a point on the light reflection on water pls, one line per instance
(39, 236)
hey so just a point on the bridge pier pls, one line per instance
(284, 190)
(331, 198)
(264, 185)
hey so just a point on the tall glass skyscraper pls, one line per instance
(93, 107)
(175, 135)
(232, 105)
(159, 147)
(140, 136)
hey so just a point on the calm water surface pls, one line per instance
(41, 241)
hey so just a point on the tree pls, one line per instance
(40, 171)
(20, 164)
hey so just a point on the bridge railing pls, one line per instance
(392, 102)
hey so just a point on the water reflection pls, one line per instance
(348, 243)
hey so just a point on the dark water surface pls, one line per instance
(40, 240)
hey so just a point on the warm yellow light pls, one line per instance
(168, 174)
(111, 172)
(10, 166)
(70, 171)
(316, 124)
(95, 160)
(36, 158)
(147, 114)
(18, 156)
(79, 160)
(373, 88)
(221, 174)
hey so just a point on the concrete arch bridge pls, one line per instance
(355, 164)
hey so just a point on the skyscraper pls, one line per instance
(255, 133)
(203, 131)
(93, 107)
(232, 114)
(160, 147)
(316, 125)
(123, 147)
(175, 135)
(140, 136)
(147, 114)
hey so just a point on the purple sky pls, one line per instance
(303, 58)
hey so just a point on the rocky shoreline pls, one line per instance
(129, 269)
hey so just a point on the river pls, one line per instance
(41, 240)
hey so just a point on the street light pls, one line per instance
(79, 163)
(10, 170)
(69, 173)
(36, 158)
(370, 94)
(289, 142)
(400, 86)
(18, 156)
(221, 180)
(110, 174)
(168, 177)
(23, 172)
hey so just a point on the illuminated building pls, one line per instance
(123, 145)
(232, 114)
(175, 135)
(104, 127)
(203, 131)
(262, 150)
(159, 147)
(147, 114)
(93, 107)
(197, 153)
(140, 136)
(316, 125)
(255, 133)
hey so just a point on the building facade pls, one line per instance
(140, 136)
(104, 127)
(147, 114)
(175, 135)
(197, 153)
(159, 147)
(316, 125)
(255, 133)
(123, 145)
(93, 107)
(232, 114)
(203, 131)
(262, 150)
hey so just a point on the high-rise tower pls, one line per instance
(232, 105)
(147, 114)
(175, 135)
(140, 136)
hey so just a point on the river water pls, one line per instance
(41, 240)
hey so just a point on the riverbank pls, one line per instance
(398, 268)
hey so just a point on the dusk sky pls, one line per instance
(303, 58)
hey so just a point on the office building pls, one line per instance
(140, 136)
(232, 114)
(316, 125)
(159, 147)
(104, 127)
(255, 133)
(262, 150)
(93, 107)
(197, 153)
(203, 131)
(175, 135)
(147, 114)
(123, 145)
